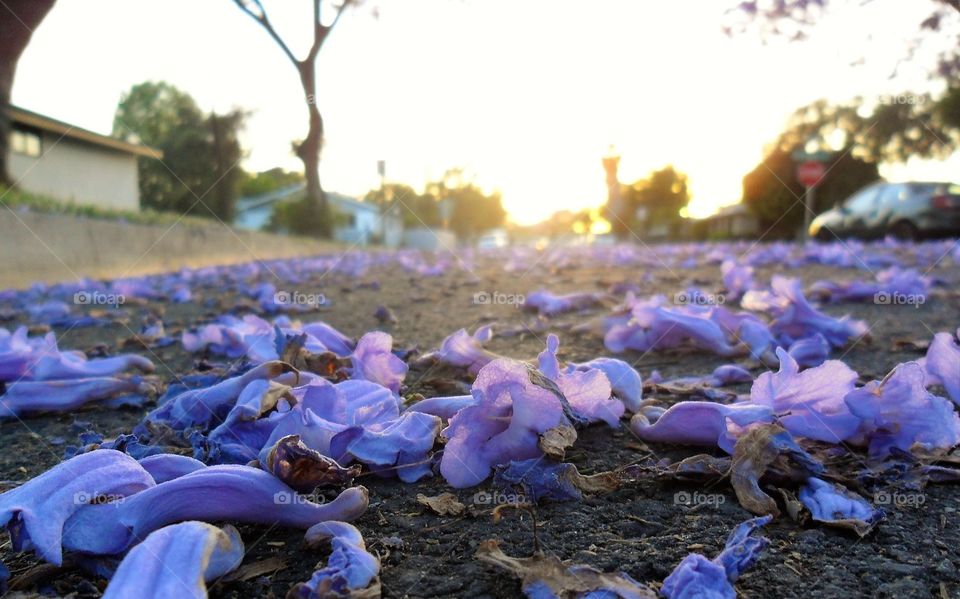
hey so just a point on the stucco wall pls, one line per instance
(53, 247)
(75, 171)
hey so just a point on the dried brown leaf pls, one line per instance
(444, 504)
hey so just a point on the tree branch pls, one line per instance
(321, 31)
(265, 22)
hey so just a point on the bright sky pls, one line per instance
(526, 94)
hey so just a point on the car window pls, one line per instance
(862, 200)
(891, 195)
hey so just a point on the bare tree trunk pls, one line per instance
(309, 149)
(18, 19)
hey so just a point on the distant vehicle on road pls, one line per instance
(904, 210)
(494, 238)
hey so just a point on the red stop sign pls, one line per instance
(810, 172)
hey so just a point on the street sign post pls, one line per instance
(809, 173)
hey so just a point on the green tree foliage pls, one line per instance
(416, 209)
(660, 196)
(198, 173)
(893, 130)
(300, 216)
(254, 184)
(471, 210)
(772, 192)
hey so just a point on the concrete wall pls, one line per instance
(74, 171)
(53, 247)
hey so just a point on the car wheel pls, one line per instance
(904, 231)
(824, 234)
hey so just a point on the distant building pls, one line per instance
(364, 224)
(736, 222)
(53, 158)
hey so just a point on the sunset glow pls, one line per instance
(525, 95)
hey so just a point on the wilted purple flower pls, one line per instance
(811, 401)
(537, 479)
(702, 423)
(942, 364)
(506, 424)
(444, 407)
(303, 468)
(831, 504)
(39, 359)
(360, 420)
(624, 379)
(372, 361)
(549, 304)
(241, 493)
(898, 412)
(587, 391)
(168, 466)
(653, 326)
(256, 339)
(197, 407)
(465, 351)
(810, 351)
(350, 566)
(28, 397)
(892, 281)
(696, 576)
(175, 561)
(737, 278)
(35, 512)
(795, 318)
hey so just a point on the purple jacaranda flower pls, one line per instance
(730, 374)
(29, 397)
(890, 282)
(176, 561)
(198, 407)
(463, 350)
(537, 479)
(549, 304)
(653, 326)
(737, 278)
(237, 493)
(795, 318)
(244, 430)
(624, 379)
(350, 567)
(506, 423)
(35, 512)
(444, 407)
(757, 337)
(698, 577)
(256, 339)
(835, 505)
(587, 391)
(810, 351)
(330, 337)
(168, 466)
(898, 412)
(373, 361)
(39, 359)
(702, 423)
(399, 446)
(810, 402)
(942, 364)
(359, 420)
(234, 338)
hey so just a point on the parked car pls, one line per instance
(492, 239)
(903, 210)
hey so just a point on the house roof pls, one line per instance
(732, 210)
(28, 118)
